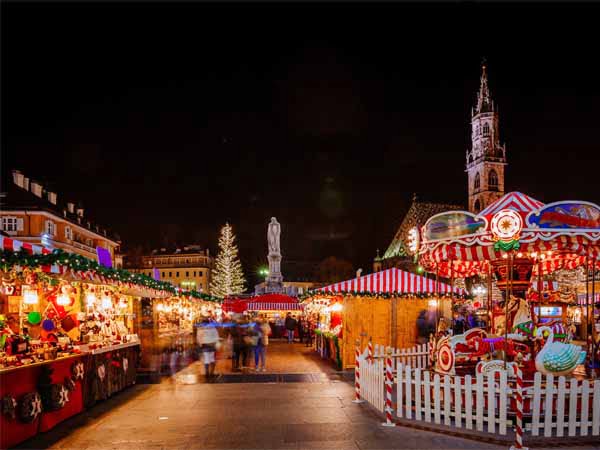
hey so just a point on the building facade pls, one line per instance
(487, 157)
(34, 214)
(188, 267)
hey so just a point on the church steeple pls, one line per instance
(487, 157)
(484, 100)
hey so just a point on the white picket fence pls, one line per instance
(553, 407)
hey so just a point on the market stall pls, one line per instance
(68, 337)
(392, 308)
(528, 250)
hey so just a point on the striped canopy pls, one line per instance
(516, 201)
(391, 281)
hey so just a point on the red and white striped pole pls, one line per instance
(519, 412)
(370, 350)
(357, 398)
(389, 386)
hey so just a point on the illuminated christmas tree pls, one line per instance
(227, 275)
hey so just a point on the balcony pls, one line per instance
(81, 246)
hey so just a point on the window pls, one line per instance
(50, 228)
(486, 129)
(12, 224)
(477, 206)
(177, 274)
(477, 182)
(170, 274)
(187, 274)
(68, 233)
(200, 273)
(493, 179)
(194, 273)
(163, 274)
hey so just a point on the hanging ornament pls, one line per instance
(8, 406)
(48, 325)
(30, 407)
(34, 317)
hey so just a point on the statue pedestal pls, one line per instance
(274, 282)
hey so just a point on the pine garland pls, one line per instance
(227, 275)
(78, 263)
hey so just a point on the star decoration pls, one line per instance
(36, 406)
(64, 395)
(505, 225)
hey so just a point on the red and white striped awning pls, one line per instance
(517, 201)
(391, 281)
(266, 306)
(14, 245)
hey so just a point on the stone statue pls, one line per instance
(273, 234)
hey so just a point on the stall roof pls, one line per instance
(390, 281)
(266, 302)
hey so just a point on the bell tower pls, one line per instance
(487, 157)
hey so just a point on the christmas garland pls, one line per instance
(336, 342)
(78, 263)
(384, 295)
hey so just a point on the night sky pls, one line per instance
(165, 121)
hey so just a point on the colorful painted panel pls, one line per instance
(451, 224)
(567, 215)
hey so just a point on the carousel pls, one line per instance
(522, 250)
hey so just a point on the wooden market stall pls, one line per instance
(68, 335)
(382, 306)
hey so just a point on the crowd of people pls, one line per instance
(245, 341)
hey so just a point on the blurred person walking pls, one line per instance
(260, 351)
(290, 326)
(207, 339)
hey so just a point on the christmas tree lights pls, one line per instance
(227, 276)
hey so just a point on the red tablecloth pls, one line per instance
(62, 370)
(19, 382)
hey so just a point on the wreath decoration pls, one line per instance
(77, 371)
(69, 384)
(8, 406)
(30, 407)
(55, 397)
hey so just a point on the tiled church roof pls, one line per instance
(418, 213)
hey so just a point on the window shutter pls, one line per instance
(20, 226)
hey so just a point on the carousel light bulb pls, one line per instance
(30, 297)
(519, 255)
(542, 256)
(534, 254)
(505, 255)
(90, 299)
(63, 300)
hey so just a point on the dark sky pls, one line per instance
(168, 120)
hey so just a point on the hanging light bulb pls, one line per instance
(106, 302)
(63, 300)
(90, 299)
(30, 296)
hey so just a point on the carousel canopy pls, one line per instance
(561, 235)
(391, 281)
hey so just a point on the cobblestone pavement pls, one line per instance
(181, 413)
